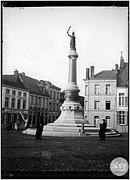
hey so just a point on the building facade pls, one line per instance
(38, 100)
(54, 101)
(100, 97)
(122, 97)
(26, 97)
(106, 97)
(15, 98)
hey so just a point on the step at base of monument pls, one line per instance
(70, 131)
(58, 130)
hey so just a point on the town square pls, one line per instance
(69, 117)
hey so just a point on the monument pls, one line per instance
(71, 119)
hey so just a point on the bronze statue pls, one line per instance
(72, 39)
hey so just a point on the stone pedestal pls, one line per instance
(71, 119)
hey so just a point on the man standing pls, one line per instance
(102, 130)
(39, 128)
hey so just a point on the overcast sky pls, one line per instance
(35, 41)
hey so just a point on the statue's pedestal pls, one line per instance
(71, 119)
(69, 122)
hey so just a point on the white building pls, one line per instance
(106, 97)
(15, 98)
(100, 97)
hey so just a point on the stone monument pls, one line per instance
(71, 119)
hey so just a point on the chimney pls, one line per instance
(92, 71)
(23, 73)
(16, 72)
(87, 73)
(116, 68)
(121, 62)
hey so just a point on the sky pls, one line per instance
(35, 41)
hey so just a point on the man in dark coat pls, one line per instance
(39, 128)
(102, 130)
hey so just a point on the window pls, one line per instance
(96, 121)
(126, 101)
(86, 105)
(19, 93)
(43, 90)
(7, 91)
(57, 107)
(53, 106)
(123, 101)
(122, 117)
(39, 101)
(107, 88)
(108, 105)
(6, 102)
(50, 106)
(46, 102)
(108, 121)
(49, 119)
(43, 102)
(19, 104)
(54, 95)
(35, 100)
(31, 100)
(86, 89)
(96, 104)
(96, 89)
(13, 92)
(24, 95)
(50, 94)
(53, 118)
(13, 103)
(57, 96)
(24, 104)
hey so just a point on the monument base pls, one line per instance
(69, 122)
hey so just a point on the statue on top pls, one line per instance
(72, 39)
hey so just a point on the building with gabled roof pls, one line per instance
(54, 101)
(122, 97)
(38, 100)
(100, 97)
(15, 98)
(102, 92)
(40, 94)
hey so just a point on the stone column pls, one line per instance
(72, 90)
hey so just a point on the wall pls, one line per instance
(102, 97)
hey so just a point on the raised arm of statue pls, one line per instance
(72, 39)
(68, 32)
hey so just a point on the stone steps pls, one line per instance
(63, 131)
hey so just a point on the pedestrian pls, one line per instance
(39, 129)
(9, 126)
(102, 130)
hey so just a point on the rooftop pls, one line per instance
(109, 74)
(122, 77)
(14, 81)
